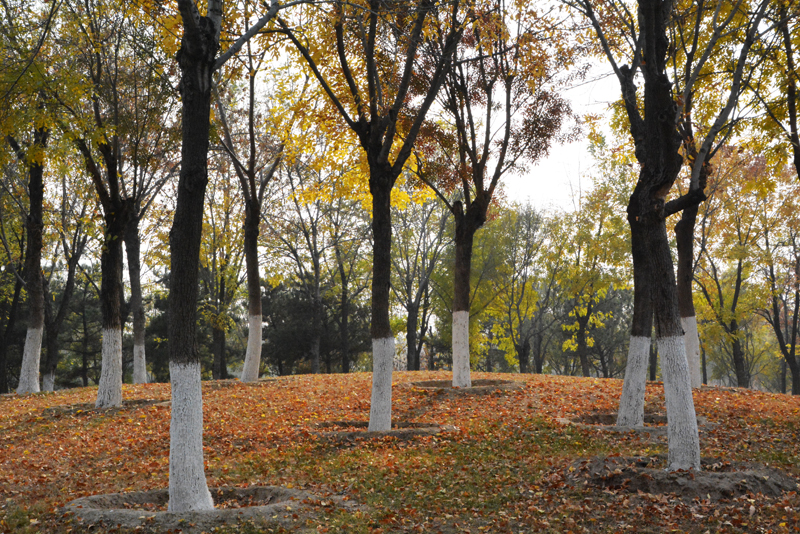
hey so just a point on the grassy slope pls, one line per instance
(501, 471)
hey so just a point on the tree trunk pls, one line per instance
(316, 324)
(188, 489)
(739, 363)
(109, 391)
(219, 369)
(631, 403)
(84, 345)
(218, 341)
(412, 356)
(29, 373)
(523, 355)
(657, 144)
(583, 345)
(653, 361)
(682, 436)
(252, 359)
(705, 370)
(11, 321)
(466, 226)
(538, 357)
(380, 415)
(344, 331)
(132, 249)
(684, 238)
(54, 321)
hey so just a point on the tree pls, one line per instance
(778, 243)
(654, 126)
(418, 246)
(24, 33)
(197, 60)
(264, 151)
(221, 258)
(594, 258)
(349, 230)
(725, 263)
(527, 283)
(13, 233)
(378, 45)
(502, 103)
(73, 231)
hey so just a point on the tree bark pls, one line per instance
(739, 363)
(31, 355)
(344, 330)
(218, 341)
(467, 223)
(412, 356)
(631, 405)
(583, 345)
(316, 323)
(109, 391)
(54, 321)
(4, 342)
(136, 305)
(684, 238)
(523, 355)
(188, 489)
(657, 143)
(252, 359)
(381, 182)
(653, 362)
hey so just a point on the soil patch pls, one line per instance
(479, 387)
(259, 505)
(715, 481)
(352, 431)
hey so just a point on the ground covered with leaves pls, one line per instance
(509, 460)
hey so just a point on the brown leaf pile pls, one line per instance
(504, 467)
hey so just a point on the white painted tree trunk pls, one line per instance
(380, 410)
(692, 342)
(461, 374)
(31, 354)
(252, 358)
(109, 390)
(49, 381)
(188, 489)
(682, 437)
(631, 403)
(139, 365)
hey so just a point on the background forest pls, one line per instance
(93, 107)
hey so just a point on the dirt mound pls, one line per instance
(479, 387)
(717, 480)
(260, 505)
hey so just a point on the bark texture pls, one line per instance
(188, 490)
(136, 304)
(187, 483)
(380, 411)
(112, 298)
(252, 358)
(467, 223)
(34, 287)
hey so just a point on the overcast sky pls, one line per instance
(558, 179)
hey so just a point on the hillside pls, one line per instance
(508, 460)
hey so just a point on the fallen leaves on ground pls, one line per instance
(503, 469)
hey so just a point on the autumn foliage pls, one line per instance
(505, 468)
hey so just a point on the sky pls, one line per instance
(557, 180)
